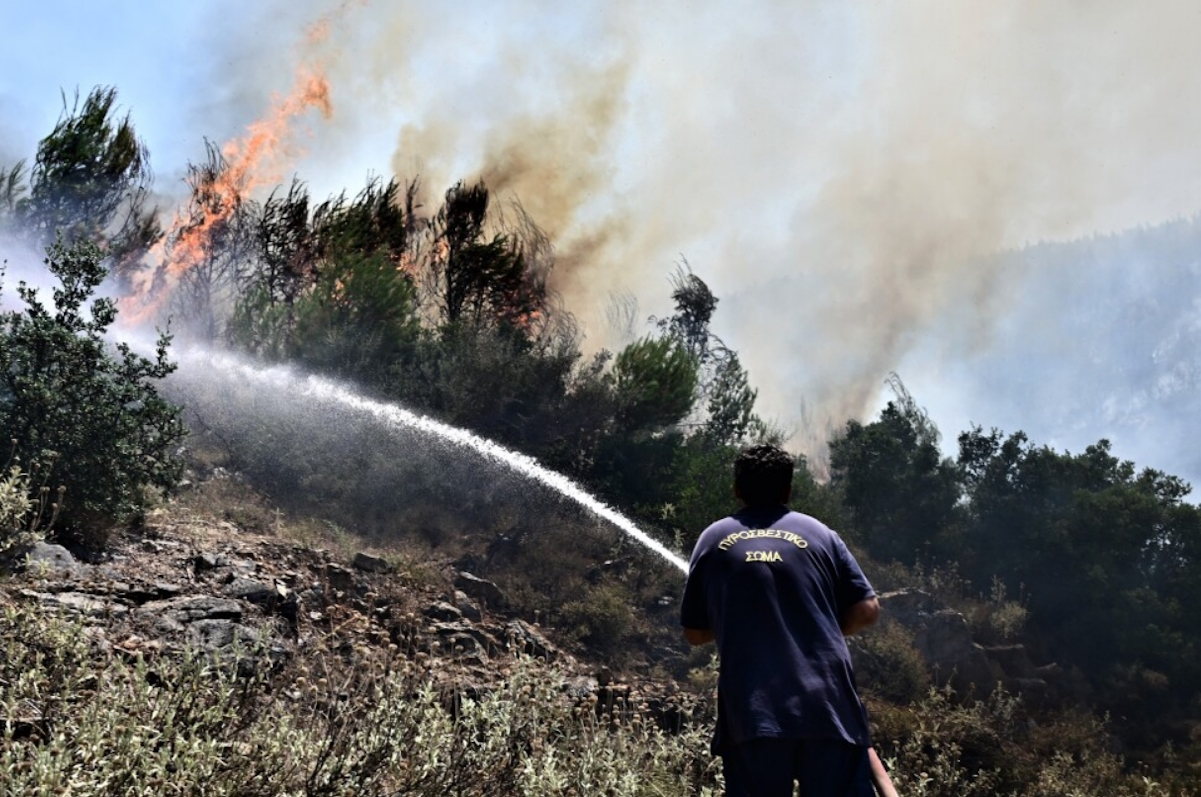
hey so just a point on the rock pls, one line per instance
(46, 559)
(372, 564)
(908, 606)
(245, 565)
(139, 595)
(1014, 660)
(193, 609)
(944, 639)
(341, 578)
(479, 589)
(469, 609)
(1032, 690)
(523, 638)
(217, 634)
(77, 603)
(314, 596)
(207, 561)
(463, 644)
(448, 633)
(441, 610)
(248, 589)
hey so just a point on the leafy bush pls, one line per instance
(604, 620)
(89, 414)
(940, 747)
(888, 665)
(23, 519)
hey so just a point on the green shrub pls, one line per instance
(90, 414)
(998, 619)
(22, 519)
(603, 618)
(888, 665)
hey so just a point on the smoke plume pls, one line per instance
(842, 175)
(839, 175)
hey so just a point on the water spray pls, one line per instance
(292, 383)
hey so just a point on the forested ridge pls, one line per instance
(1092, 563)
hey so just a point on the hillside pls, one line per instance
(188, 642)
(206, 651)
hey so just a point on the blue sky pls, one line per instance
(148, 50)
(839, 173)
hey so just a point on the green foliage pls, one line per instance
(945, 748)
(1128, 538)
(888, 666)
(496, 381)
(90, 180)
(999, 619)
(704, 491)
(21, 517)
(731, 404)
(654, 381)
(1106, 560)
(359, 319)
(724, 399)
(901, 492)
(603, 620)
(695, 305)
(90, 416)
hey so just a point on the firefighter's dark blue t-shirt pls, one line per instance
(772, 584)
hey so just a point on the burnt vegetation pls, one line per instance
(1094, 565)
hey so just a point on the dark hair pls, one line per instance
(763, 475)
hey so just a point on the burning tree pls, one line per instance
(215, 236)
(473, 278)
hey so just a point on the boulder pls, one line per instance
(217, 634)
(194, 608)
(342, 579)
(372, 564)
(943, 637)
(524, 638)
(468, 609)
(248, 589)
(1014, 660)
(440, 610)
(480, 589)
(77, 603)
(43, 558)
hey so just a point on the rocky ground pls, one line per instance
(258, 600)
(190, 581)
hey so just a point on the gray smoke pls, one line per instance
(840, 176)
(843, 175)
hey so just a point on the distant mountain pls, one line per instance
(1102, 339)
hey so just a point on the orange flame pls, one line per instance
(318, 32)
(254, 160)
